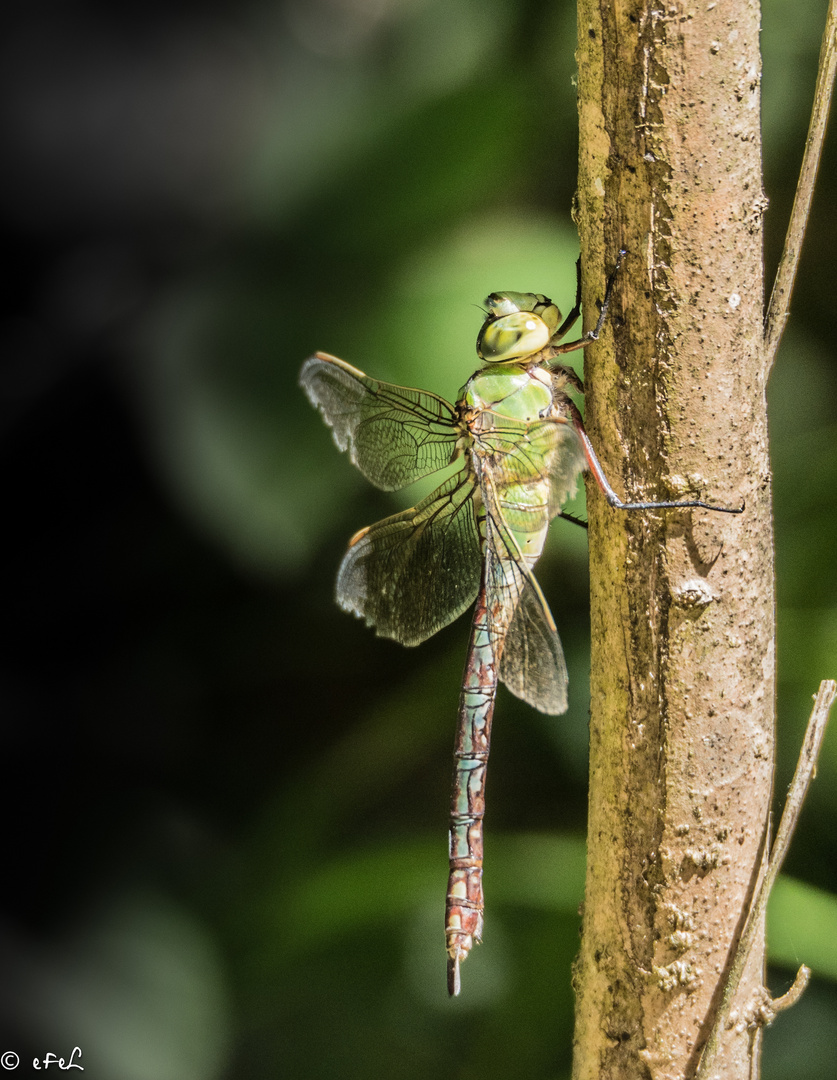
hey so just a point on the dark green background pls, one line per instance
(225, 808)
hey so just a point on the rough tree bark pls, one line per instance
(681, 755)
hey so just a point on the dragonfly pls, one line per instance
(520, 444)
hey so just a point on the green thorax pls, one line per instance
(509, 390)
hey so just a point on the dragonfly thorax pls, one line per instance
(508, 393)
(517, 325)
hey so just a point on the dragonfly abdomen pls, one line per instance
(464, 911)
(525, 509)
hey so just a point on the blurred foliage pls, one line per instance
(229, 860)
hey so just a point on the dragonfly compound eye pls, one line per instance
(512, 337)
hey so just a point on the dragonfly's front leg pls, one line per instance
(464, 910)
(591, 335)
(562, 376)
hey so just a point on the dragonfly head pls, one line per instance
(517, 325)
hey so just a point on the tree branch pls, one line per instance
(682, 691)
(805, 771)
(779, 308)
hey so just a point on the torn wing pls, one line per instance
(393, 434)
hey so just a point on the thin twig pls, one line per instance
(778, 309)
(805, 771)
(803, 977)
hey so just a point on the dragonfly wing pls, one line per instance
(532, 661)
(545, 450)
(413, 573)
(393, 434)
(554, 446)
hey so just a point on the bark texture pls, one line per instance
(682, 606)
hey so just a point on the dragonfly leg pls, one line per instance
(564, 516)
(591, 335)
(576, 311)
(613, 499)
(563, 375)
